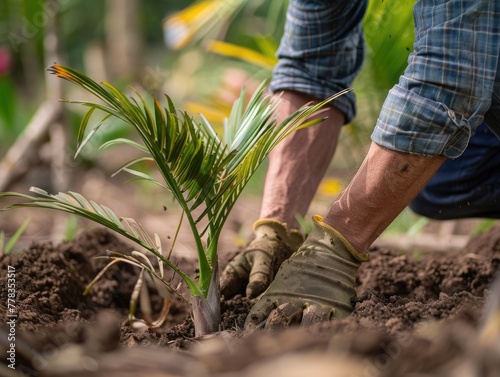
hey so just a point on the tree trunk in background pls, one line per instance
(58, 130)
(124, 39)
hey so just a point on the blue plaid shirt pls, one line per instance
(451, 84)
(322, 50)
(447, 88)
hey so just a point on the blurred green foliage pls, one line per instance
(81, 23)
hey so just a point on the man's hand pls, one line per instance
(315, 284)
(253, 269)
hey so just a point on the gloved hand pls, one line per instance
(315, 284)
(256, 266)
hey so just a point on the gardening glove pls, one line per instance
(256, 266)
(315, 284)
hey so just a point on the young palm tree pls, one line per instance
(204, 173)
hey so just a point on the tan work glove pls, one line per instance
(253, 269)
(315, 284)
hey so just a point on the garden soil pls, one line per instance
(413, 317)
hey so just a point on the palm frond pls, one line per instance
(76, 204)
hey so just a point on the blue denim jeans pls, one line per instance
(468, 186)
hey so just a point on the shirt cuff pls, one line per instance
(414, 124)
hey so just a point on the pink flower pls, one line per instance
(5, 61)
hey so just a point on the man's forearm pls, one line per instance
(298, 163)
(384, 185)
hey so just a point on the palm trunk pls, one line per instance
(124, 39)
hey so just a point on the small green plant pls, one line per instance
(204, 172)
(7, 247)
(483, 226)
(70, 228)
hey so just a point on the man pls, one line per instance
(422, 149)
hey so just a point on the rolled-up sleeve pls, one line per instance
(447, 88)
(322, 50)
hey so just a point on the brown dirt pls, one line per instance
(413, 317)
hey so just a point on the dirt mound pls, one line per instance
(51, 279)
(398, 295)
(431, 275)
(398, 291)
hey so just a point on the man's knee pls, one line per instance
(483, 202)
